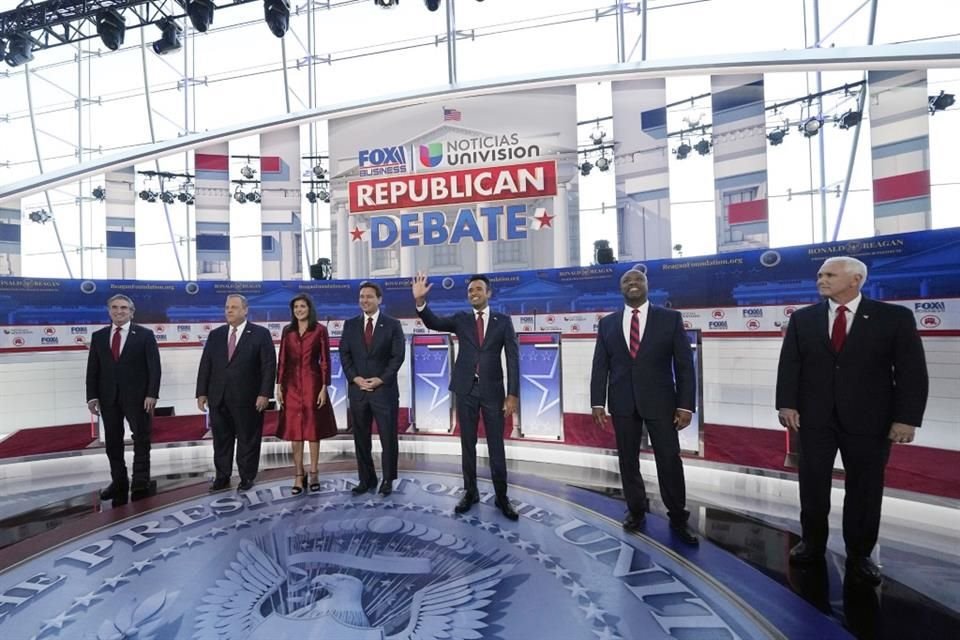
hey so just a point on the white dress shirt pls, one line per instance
(628, 319)
(374, 317)
(240, 329)
(124, 332)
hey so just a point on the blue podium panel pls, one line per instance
(432, 404)
(541, 409)
(338, 385)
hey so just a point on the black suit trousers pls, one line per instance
(139, 421)
(666, 453)
(242, 425)
(864, 460)
(362, 414)
(469, 408)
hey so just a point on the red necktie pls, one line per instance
(115, 345)
(231, 343)
(479, 336)
(635, 333)
(839, 333)
(368, 333)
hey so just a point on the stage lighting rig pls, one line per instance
(776, 136)
(41, 216)
(597, 136)
(276, 13)
(201, 14)
(99, 193)
(167, 198)
(323, 195)
(811, 126)
(683, 150)
(387, 4)
(19, 50)
(602, 163)
(703, 146)
(239, 196)
(111, 27)
(148, 195)
(849, 119)
(248, 172)
(432, 5)
(941, 102)
(170, 40)
(311, 197)
(319, 171)
(585, 168)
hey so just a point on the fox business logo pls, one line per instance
(526, 319)
(753, 313)
(49, 340)
(937, 306)
(382, 161)
(161, 337)
(78, 331)
(718, 324)
(184, 327)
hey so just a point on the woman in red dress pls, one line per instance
(303, 374)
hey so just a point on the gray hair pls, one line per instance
(241, 298)
(851, 265)
(120, 296)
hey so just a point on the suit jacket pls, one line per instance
(250, 373)
(499, 336)
(658, 381)
(878, 378)
(382, 360)
(134, 377)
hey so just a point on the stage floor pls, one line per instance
(266, 564)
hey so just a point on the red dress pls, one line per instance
(303, 368)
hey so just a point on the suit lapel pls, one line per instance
(860, 326)
(378, 330)
(823, 317)
(618, 328)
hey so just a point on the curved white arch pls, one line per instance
(919, 55)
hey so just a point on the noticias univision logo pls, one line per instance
(431, 155)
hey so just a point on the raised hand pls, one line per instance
(421, 288)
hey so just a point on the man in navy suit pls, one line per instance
(852, 377)
(477, 381)
(643, 369)
(372, 348)
(123, 381)
(235, 380)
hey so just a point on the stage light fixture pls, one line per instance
(602, 163)
(324, 195)
(201, 14)
(170, 40)
(941, 102)
(277, 15)
(585, 168)
(311, 197)
(683, 150)
(387, 4)
(148, 195)
(319, 171)
(253, 196)
(239, 196)
(248, 172)
(849, 119)
(3, 48)
(432, 5)
(776, 136)
(811, 126)
(19, 50)
(167, 198)
(111, 27)
(99, 193)
(603, 252)
(597, 136)
(703, 146)
(183, 196)
(40, 216)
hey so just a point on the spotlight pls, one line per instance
(167, 198)
(937, 103)
(239, 196)
(190, 201)
(248, 172)
(19, 50)
(603, 252)
(170, 40)
(683, 150)
(319, 171)
(324, 195)
(148, 196)
(277, 15)
(432, 5)
(311, 197)
(598, 136)
(3, 48)
(253, 196)
(323, 270)
(183, 196)
(703, 147)
(40, 217)
(811, 126)
(602, 163)
(201, 14)
(111, 27)
(849, 119)
(99, 193)
(776, 136)
(585, 168)
(388, 4)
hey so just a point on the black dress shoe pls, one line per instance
(506, 508)
(113, 491)
(245, 485)
(141, 491)
(467, 501)
(805, 554)
(219, 484)
(683, 531)
(634, 522)
(386, 488)
(863, 570)
(363, 488)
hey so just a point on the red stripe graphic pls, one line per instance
(901, 187)
(750, 211)
(211, 162)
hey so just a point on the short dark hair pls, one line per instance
(311, 313)
(481, 277)
(366, 284)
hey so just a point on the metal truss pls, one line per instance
(58, 22)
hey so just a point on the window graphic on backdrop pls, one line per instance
(280, 203)
(9, 241)
(417, 180)
(213, 212)
(122, 193)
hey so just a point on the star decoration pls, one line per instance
(192, 540)
(262, 517)
(606, 633)
(524, 545)
(165, 552)
(560, 572)
(357, 233)
(141, 565)
(85, 601)
(239, 524)
(112, 583)
(327, 505)
(428, 508)
(409, 506)
(285, 512)
(544, 218)
(469, 519)
(593, 612)
(551, 376)
(216, 531)
(56, 623)
(543, 558)
(487, 526)
(577, 591)
(506, 535)
(369, 504)
(308, 508)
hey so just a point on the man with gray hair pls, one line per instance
(235, 381)
(123, 381)
(852, 377)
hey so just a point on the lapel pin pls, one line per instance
(866, 317)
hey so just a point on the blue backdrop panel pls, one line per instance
(540, 386)
(432, 403)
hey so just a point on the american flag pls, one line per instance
(451, 114)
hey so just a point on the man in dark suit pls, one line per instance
(123, 381)
(643, 369)
(372, 348)
(852, 377)
(477, 381)
(235, 380)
